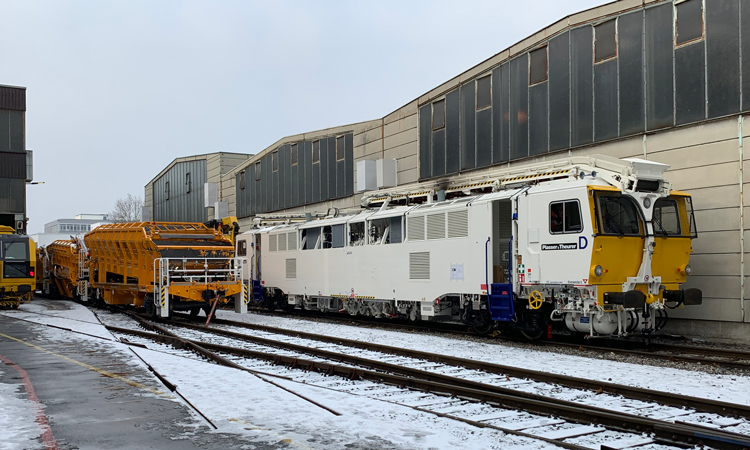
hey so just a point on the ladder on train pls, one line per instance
(83, 274)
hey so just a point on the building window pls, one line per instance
(688, 21)
(484, 92)
(294, 155)
(242, 248)
(316, 152)
(538, 65)
(565, 217)
(166, 190)
(438, 115)
(605, 43)
(188, 183)
(257, 171)
(275, 161)
(242, 179)
(340, 148)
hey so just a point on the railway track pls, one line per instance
(476, 389)
(717, 357)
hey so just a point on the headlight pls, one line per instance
(688, 270)
(647, 203)
(598, 271)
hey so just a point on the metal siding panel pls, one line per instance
(265, 182)
(275, 185)
(484, 137)
(13, 165)
(308, 173)
(538, 118)
(349, 166)
(283, 165)
(12, 98)
(324, 169)
(4, 130)
(505, 108)
(468, 116)
(519, 105)
(302, 172)
(453, 131)
(340, 179)
(12, 196)
(559, 92)
(17, 143)
(294, 185)
(659, 47)
(438, 153)
(630, 56)
(497, 117)
(690, 83)
(425, 149)
(605, 100)
(745, 56)
(316, 182)
(332, 177)
(723, 57)
(581, 95)
(239, 195)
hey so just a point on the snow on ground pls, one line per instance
(250, 407)
(18, 426)
(728, 388)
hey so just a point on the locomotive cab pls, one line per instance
(17, 268)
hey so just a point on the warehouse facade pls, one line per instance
(13, 157)
(666, 80)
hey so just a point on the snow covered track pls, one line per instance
(433, 381)
(650, 395)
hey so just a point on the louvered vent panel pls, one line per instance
(436, 226)
(419, 266)
(292, 240)
(458, 223)
(416, 228)
(282, 242)
(272, 242)
(291, 268)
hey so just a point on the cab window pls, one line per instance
(618, 215)
(242, 249)
(15, 250)
(565, 217)
(666, 218)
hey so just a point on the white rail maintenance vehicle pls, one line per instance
(597, 244)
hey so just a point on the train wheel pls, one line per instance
(194, 312)
(14, 306)
(149, 305)
(534, 335)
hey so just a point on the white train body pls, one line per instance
(580, 245)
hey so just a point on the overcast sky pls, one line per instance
(118, 89)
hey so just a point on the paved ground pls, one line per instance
(88, 410)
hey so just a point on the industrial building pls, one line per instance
(667, 81)
(14, 158)
(177, 193)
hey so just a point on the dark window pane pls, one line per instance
(723, 57)
(340, 148)
(572, 217)
(484, 92)
(275, 161)
(425, 116)
(519, 107)
(438, 152)
(295, 156)
(666, 218)
(619, 215)
(630, 61)
(316, 152)
(257, 171)
(559, 92)
(438, 114)
(659, 71)
(242, 179)
(689, 21)
(605, 105)
(538, 142)
(538, 66)
(556, 218)
(605, 46)
(581, 83)
(468, 119)
(690, 86)
(452, 132)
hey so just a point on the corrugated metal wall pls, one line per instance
(177, 198)
(263, 187)
(666, 71)
(12, 151)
